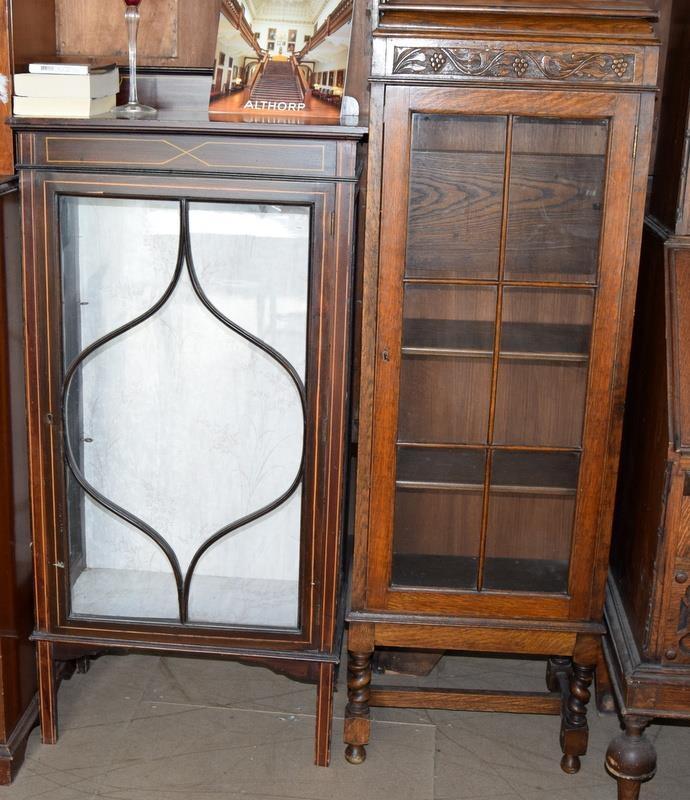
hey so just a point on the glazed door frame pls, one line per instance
(327, 316)
(401, 102)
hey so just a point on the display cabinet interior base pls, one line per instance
(59, 658)
(643, 691)
(569, 675)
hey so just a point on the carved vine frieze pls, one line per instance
(525, 64)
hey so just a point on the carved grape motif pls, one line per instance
(437, 60)
(619, 66)
(520, 66)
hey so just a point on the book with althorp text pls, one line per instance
(288, 69)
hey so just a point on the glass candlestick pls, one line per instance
(133, 109)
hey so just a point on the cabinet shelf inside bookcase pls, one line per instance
(475, 339)
(463, 469)
(459, 572)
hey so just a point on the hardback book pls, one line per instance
(89, 86)
(56, 68)
(62, 106)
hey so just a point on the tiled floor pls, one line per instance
(145, 728)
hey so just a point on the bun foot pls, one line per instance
(631, 758)
(355, 753)
(570, 764)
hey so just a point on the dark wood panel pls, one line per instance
(17, 664)
(438, 523)
(555, 217)
(33, 30)
(678, 333)
(453, 133)
(538, 137)
(540, 403)
(444, 399)
(530, 526)
(670, 196)
(454, 227)
(644, 470)
(211, 155)
(94, 27)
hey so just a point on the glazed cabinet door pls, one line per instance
(502, 253)
(187, 401)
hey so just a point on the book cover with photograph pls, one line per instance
(281, 61)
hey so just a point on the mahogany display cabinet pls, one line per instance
(507, 172)
(647, 648)
(188, 302)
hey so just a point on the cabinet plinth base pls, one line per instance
(568, 679)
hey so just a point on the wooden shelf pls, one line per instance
(475, 339)
(463, 470)
(460, 572)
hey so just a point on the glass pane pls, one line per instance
(445, 382)
(264, 294)
(184, 423)
(456, 195)
(543, 367)
(438, 517)
(531, 511)
(132, 253)
(556, 198)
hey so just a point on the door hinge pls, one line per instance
(637, 133)
(332, 223)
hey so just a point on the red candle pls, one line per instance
(132, 2)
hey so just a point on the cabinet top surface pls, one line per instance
(191, 123)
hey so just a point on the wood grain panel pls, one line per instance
(486, 640)
(457, 700)
(454, 226)
(33, 30)
(437, 522)
(444, 399)
(172, 33)
(555, 217)
(530, 526)
(540, 403)
(83, 26)
(683, 547)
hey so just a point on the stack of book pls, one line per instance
(65, 90)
